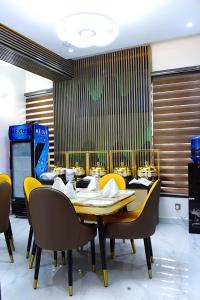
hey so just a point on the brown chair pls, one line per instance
(140, 224)
(31, 183)
(57, 227)
(6, 178)
(5, 194)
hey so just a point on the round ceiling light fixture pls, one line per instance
(87, 29)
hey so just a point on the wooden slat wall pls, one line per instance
(176, 117)
(107, 105)
(40, 109)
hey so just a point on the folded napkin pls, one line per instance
(59, 185)
(69, 190)
(48, 176)
(94, 184)
(143, 181)
(69, 174)
(111, 189)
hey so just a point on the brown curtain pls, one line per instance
(176, 117)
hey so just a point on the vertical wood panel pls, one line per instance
(106, 106)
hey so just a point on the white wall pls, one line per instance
(12, 107)
(14, 82)
(176, 53)
(37, 83)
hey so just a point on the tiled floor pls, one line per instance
(176, 270)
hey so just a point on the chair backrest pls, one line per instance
(5, 177)
(5, 195)
(118, 178)
(30, 183)
(149, 211)
(56, 225)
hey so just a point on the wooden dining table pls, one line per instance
(93, 203)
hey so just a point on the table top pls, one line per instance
(93, 202)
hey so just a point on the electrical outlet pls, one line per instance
(177, 206)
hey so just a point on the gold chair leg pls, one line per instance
(11, 259)
(31, 261)
(105, 278)
(35, 284)
(12, 244)
(150, 274)
(70, 290)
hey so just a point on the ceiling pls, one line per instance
(139, 21)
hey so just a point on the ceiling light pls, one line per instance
(189, 24)
(70, 50)
(87, 29)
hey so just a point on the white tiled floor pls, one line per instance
(176, 270)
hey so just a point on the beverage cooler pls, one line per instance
(29, 147)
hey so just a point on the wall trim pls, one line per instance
(26, 54)
(175, 71)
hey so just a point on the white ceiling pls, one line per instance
(139, 21)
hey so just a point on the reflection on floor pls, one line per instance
(175, 270)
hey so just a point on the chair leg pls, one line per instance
(92, 246)
(150, 249)
(37, 267)
(31, 261)
(63, 258)
(102, 250)
(70, 275)
(6, 234)
(147, 252)
(29, 242)
(112, 248)
(11, 240)
(133, 246)
(55, 256)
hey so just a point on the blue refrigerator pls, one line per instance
(29, 148)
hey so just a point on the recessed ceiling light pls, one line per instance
(70, 50)
(189, 24)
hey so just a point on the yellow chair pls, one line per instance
(30, 183)
(118, 178)
(6, 178)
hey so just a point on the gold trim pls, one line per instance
(12, 245)
(31, 261)
(70, 290)
(105, 278)
(35, 284)
(150, 274)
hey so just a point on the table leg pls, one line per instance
(102, 249)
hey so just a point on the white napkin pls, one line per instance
(48, 176)
(69, 190)
(143, 181)
(111, 189)
(69, 174)
(94, 184)
(59, 185)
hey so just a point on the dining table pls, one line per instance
(94, 203)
